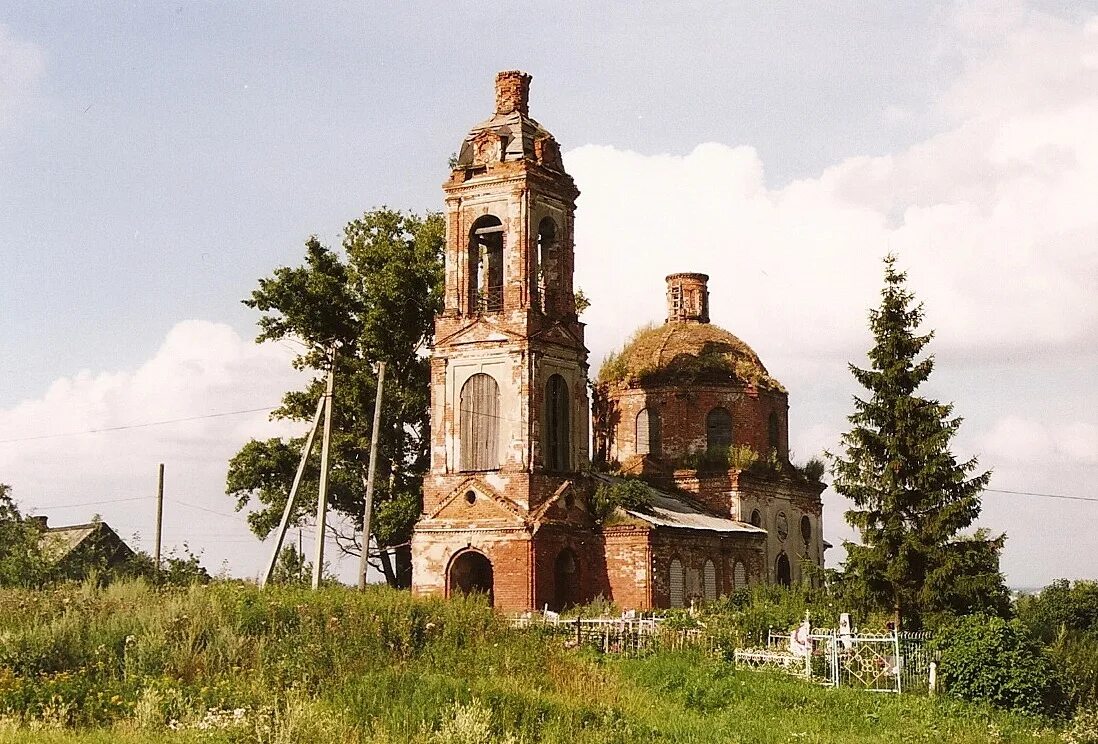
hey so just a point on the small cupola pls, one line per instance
(688, 298)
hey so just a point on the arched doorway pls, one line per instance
(782, 573)
(471, 572)
(566, 579)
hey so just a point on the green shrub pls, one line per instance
(813, 470)
(1060, 606)
(1075, 656)
(1083, 728)
(624, 493)
(991, 660)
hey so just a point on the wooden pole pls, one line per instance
(368, 507)
(288, 510)
(159, 516)
(322, 495)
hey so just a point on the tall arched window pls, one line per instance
(782, 572)
(718, 429)
(648, 432)
(756, 518)
(739, 576)
(709, 580)
(486, 265)
(479, 421)
(558, 423)
(543, 281)
(675, 582)
(773, 431)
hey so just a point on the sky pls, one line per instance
(157, 159)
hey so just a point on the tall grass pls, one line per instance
(231, 663)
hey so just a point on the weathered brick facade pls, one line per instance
(657, 398)
(506, 502)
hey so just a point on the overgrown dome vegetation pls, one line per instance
(675, 353)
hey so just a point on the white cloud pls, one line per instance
(994, 219)
(201, 368)
(22, 65)
(1024, 441)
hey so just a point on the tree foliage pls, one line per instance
(21, 559)
(373, 301)
(911, 496)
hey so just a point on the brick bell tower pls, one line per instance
(509, 406)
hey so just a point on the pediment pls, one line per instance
(479, 331)
(475, 503)
(565, 505)
(557, 333)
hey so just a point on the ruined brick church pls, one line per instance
(686, 407)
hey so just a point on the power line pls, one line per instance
(205, 509)
(138, 426)
(94, 503)
(1043, 495)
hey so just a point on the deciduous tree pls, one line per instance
(373, 301)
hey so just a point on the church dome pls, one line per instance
(687, 348)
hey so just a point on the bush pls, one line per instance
(1083, 728)
(991, 660)
(1076, 658)
(1061, 607)
(624, 493)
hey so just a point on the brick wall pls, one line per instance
(683, 411)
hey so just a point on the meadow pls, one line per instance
(229, 662)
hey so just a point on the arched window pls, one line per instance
(648, 432)
(739, 576)
(479, 421)
(675, 582)
(709, 580)
(486, 265)
(718, 430)
(806, 529)
(543, 281)
(558, 423)
(773, 432)
(782, 572)
(756, 518)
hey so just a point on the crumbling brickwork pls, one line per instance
(506, 504)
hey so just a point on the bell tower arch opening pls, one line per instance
(545, 279)
(485, 265)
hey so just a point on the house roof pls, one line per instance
(668, 511)
(58, 542)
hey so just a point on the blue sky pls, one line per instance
(156, 159)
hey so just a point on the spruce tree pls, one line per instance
(911, 497)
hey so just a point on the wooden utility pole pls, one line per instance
(286, 512)
(322, 496)
(368, 507)
(159, 515)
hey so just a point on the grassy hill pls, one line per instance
(232, 663)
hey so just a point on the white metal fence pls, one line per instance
(879, 662)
